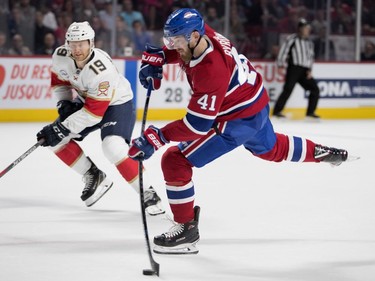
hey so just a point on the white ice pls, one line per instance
(260, 221)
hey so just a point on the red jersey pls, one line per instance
(225, 87)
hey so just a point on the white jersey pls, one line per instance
(98, 84)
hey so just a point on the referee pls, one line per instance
(297, 54)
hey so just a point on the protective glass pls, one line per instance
(175, 42)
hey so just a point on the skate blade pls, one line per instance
(155, 210)
(183, 249)
(349, 159)
(99, 192)
(352, 158)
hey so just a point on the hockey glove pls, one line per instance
(151, 70)
(65, 108)
(53, 134)
(143, 147)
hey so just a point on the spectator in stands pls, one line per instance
(150, 8)
(368, 53)
(276, 8)
(318, 22)
(122, 28)
(49, 18)
(40, 31)
(342, 20)
(295, 6)
(320, 46)
(179, 4)
(141, 37)
(129, 15)
(101, 32)
(27, 19)
(18, 48)
(15, 21)
(213, 20)
(57, 5)
(368, 17)
(124, 46)
(254, 14)
(4, 14)
(64, 20)
(69, 9)
(99, 43)
(49, 45)
(3, 44)
(271, 13)
(106, 16)
(87, 11)
(220, 7)
(237, 32)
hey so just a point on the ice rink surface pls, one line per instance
(260, 221)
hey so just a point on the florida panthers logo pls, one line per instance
(103, 88)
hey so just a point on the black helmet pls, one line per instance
(302, 22)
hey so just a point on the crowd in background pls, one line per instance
(37, 27)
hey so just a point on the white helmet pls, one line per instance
(79, 31)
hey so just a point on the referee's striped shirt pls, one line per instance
(296, 51)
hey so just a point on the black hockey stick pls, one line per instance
(23, 156)
(154, 265)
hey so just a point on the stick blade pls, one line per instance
(154, 271)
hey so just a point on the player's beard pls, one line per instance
(185, 55)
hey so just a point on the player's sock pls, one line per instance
(73, 156)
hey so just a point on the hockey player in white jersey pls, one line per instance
(93, 95)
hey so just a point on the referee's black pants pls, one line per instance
(298, 74)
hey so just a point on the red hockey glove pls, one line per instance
(143, 147)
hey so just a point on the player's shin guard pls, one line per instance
(73, 156)
(178, 172)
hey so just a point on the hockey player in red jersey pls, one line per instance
(104, 101)
(228, 108)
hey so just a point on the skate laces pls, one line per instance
(89, 178)
(175, 230)
(321, 151)
(148, 194)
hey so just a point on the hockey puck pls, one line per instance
(148, 272)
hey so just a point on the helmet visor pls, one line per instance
(175, 42)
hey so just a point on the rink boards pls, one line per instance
(347, 90)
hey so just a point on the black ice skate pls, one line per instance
(152, 202)
(180, 239)
(331, 155)
(97, 184)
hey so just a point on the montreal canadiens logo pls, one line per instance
(188, 15)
